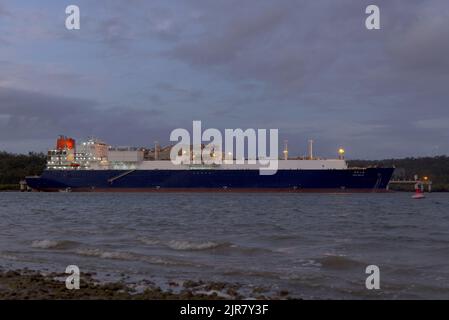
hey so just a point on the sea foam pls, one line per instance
(50, 244)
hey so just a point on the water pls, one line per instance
(312, 245)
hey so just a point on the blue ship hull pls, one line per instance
(347, 180)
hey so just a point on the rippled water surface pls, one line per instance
(313, 245)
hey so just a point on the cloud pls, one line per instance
(183, 94)
(297, 48)
(122, 25)
(309, 68)
(4, 12)
(26, 115)
(41, 77)
(246, 44)
(418, 42)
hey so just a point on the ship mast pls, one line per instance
(285, 150)
(310, 149)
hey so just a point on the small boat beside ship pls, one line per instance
(94, 166)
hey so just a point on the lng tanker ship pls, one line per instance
(95, 166)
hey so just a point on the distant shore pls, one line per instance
(33, 285)
(9, 187)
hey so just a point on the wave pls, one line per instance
(148, 241)
(129, 256)
(252, 273)
(8, 256)
(94, 252)
(52, 244)
(339, 262)
(185, 245)
(281, 237)
(188, 245)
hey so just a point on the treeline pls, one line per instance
(14, 167)
(435, 168)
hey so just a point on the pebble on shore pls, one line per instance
(32, 285)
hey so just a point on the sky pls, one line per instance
(137, 69)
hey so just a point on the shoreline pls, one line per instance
(25, 284)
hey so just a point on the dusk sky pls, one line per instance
(137, 69)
